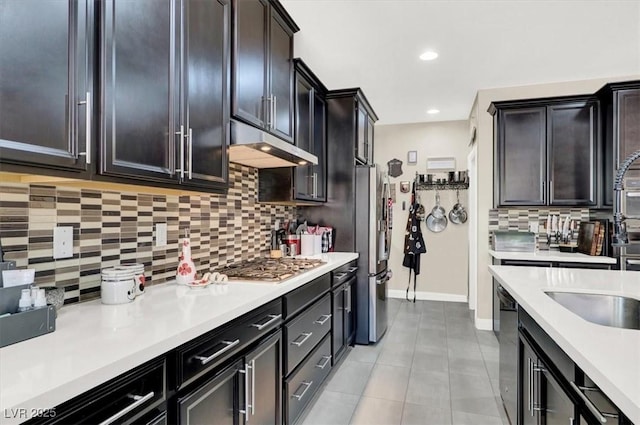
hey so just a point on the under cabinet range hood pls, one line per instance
(256, 148)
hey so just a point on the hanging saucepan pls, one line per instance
(458, 214)
(438, 211)
(437, 220)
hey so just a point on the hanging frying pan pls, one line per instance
(435, 224)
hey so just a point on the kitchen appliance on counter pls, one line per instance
(513, 241)
(373, 242)
(269, 269)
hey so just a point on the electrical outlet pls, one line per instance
(161, 234)
(62, 242)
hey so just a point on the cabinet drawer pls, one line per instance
(296, 300)
(123, 400)
(301, 386)
(306, 331)
(343, 273)
(210, 350)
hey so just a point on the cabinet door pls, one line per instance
(521, 156)
(264, 366)
(362, 123)
(304, 137)
(572, 146)
(527, 389)
(628, 123)
(319, 146)
(349, 311)
(337, 323)
(250, 61)
(206, 90)
(368, 146)
(556, 407)
(216, 402)
(138, 130)
(281, 77)
(46, 51)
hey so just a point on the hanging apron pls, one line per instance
(413, 244)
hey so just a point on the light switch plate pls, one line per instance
(161, 234)
(62, 242)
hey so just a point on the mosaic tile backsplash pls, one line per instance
(111, 227)
(520, 219)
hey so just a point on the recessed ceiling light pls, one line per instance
(265, 148)
(433, 111)
(302, 162)
(429, 55)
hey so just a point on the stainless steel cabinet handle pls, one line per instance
(87, 129)
(325, 317)
(550, 190)
(307, 386)
(588, 403)
(306, 337)
(352, 269)
(190, 146)
(229, 346)
(327, 359)
(253, 387)
(274, 318)
(181, 142)
(530, 371)
(348, 301)
(315, 185)
(138, 400)
(274, 108)
(245, 411)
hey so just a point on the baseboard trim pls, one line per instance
(428, 296)
(484, 324)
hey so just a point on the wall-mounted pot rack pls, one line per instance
(447, 185)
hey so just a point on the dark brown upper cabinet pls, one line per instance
(620, 131)
(304, 182)
(46, 87)
(364, 146)
(165, 87)
(311, 133)
(546, 152)
(262, 88)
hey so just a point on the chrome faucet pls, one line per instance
(620, 237)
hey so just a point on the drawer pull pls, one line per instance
(352, 269)
(138, 401)
(306, 337)
(229, 346)
(588, 403)
(273, 318)
(327, 359)
(324, 319)
(340, 276)
(307, 385)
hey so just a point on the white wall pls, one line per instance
(484, 141)
(444, 266)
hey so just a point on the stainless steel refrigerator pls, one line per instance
(373, 240)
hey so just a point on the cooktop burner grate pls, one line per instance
(269, 269)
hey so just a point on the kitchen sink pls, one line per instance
(607, 310)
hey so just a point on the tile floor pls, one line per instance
(431, 368)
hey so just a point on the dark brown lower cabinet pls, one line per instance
(246, 391)
(552, 389)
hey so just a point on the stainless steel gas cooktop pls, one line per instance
(269, 269)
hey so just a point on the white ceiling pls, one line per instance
(375, 44)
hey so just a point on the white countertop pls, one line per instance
(567, 257)
(610, 356)
(94, 342)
